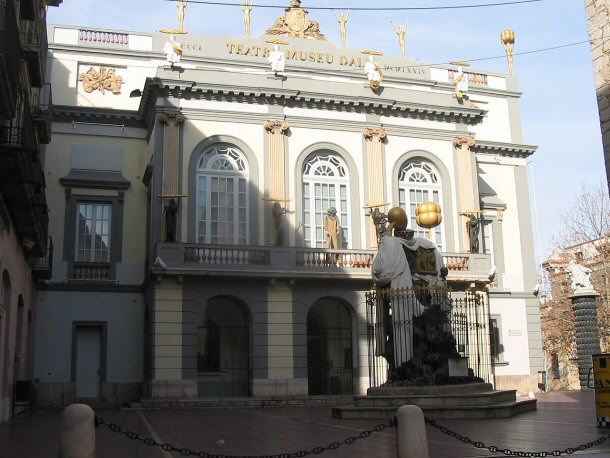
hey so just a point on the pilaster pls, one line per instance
(276, 172)
(375, 149)
(467, 183)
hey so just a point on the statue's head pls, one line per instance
(398, 216)
(332, 211)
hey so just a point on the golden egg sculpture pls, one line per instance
(428, 214)
(398, 216)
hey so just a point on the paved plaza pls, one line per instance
(563, 420)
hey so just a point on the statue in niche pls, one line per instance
(474, 228)
(171, 220)
(580, 276)
(332, 226)
(277, 213)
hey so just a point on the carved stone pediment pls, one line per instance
(102, 80)
(295, 24)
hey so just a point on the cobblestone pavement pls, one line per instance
(563, 420)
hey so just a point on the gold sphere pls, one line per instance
(428, 214)
(398, 216)
(508, 37)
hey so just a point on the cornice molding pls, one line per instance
(504, 149)
(192, 90)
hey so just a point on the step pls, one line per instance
(500, 410)
(241, 401)
(479, 387)
(438, 400)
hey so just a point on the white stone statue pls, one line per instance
(391, 269)
(580, 276)
(277, 59)
(372, 71)
(172, 50)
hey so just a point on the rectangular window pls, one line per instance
(495, 331)
(93, 223)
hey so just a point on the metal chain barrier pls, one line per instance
(508, 452)
(186, 452)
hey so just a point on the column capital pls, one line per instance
(462, 140)
(273, 125)
(371, 132)
(172, 116)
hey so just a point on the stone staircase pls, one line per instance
(475, 400)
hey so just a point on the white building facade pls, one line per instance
(188, 201)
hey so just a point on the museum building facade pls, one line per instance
(189, 202)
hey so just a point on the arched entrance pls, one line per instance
(223, 349)
(329, 349)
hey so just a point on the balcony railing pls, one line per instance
(42, 112)
(42, 267)
(101, 38)
(10, 60)
(199, 259)
(90, 271)
(34, 48)
(19, 134)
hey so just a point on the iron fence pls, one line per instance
(428, 336)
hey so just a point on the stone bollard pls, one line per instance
(77, 432)
(411, 435)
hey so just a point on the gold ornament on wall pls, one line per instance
(102, 80)
(295, 24)
(508, 40)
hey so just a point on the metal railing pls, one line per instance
(426, 336)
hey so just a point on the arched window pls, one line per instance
(419, 181)
(325, 185)
(222, 196)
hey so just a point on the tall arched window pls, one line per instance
(222, 196)
(419, 181)
(325, 185)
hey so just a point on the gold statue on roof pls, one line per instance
(246, 7)
(181, 5)
(342, 19)
(401, 32)
(295, 24)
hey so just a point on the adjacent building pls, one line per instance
(599, 26)
(189, 199)
(25, 250)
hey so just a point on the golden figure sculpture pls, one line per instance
(181, 7)
(342, 18)
(401, 32)
(508, 40)
(246, 7)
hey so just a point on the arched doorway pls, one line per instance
(223, 349)
(329, 349)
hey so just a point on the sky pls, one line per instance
(558, 105)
